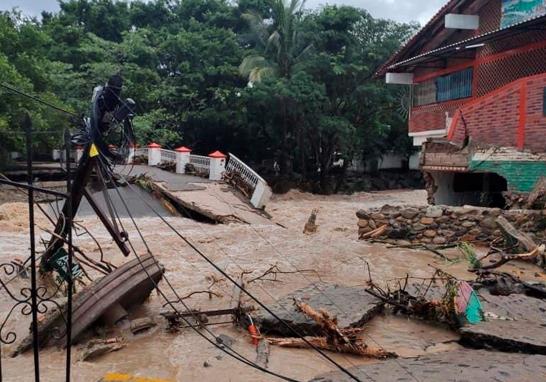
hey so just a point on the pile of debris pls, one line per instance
(315, 313)
(443, 225)
(511, 319)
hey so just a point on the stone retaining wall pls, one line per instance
(444, 224)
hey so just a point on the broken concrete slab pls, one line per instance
(200, 198)
(518, 324)
(461, 365)
(352, 306)
(175, 182)
(515, 306)
(510, 336)
(219, 202)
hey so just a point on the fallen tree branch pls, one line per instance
(512, 233)
(209, 292)
(274, 270)
(322, 343)
(534, 256)
(375, 233)
(336, 339)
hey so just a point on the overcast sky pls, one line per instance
(400, 10)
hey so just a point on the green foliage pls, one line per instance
(151, 127)
(311, 99)
(470, 254)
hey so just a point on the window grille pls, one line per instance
(454, 86)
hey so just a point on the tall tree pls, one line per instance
(279, 44)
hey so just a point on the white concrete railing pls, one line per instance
(168, 156)
(200, 162)
(248, 175)
(214, 166)
(261, 192)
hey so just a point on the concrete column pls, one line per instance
(182, 159)
(154, 154)
(79, 152)
(131, 154)
(217, 165)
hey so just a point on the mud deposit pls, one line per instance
(334, 253)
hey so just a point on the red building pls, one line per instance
(478, 76)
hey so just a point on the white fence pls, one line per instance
(200, 162)
(248, 175)
(168, 156)
(261, 192)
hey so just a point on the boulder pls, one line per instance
(361, 214)
(409, 213)
(426, 220)
(377, 216)
(363, 223)
(418, 227)
(489, 223)
(390, 210)
(443, 219)
(447, 233)
(439, 240)
(434, 211)
(429, 233)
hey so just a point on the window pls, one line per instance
(445, 88)
(454, 86)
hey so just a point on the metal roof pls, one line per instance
(470, 43)
(406, 45)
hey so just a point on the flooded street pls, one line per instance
(333, 254)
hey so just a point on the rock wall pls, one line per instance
(444, 224)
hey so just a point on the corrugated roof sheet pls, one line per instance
(392, 64)
(468, 42)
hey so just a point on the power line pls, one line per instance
(317, 288)
(234, 282)
(262, 288)
(36, 99)
(218, 340)
(244, 290)
(314, 285)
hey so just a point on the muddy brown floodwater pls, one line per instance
(334, 252)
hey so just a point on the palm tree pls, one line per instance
(280, 41)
